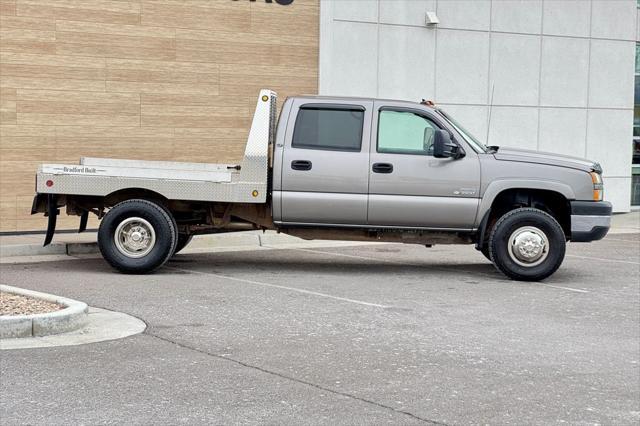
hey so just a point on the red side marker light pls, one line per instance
(49, 183)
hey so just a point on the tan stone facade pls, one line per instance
(165, 80)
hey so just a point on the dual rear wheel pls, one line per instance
(138, 236)
(183, 241)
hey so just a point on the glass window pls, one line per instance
(404, 132)
(471, 139)
(636, 110)
(329, 129)
(635, 159)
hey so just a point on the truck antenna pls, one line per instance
(493, 87)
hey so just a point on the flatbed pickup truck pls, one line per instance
(343, 169)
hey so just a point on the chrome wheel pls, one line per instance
(528, 246)
(135, 237)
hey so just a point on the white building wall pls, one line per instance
(561, 71)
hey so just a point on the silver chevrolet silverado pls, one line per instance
(343, 169)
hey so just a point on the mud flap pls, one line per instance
(83, 221)
(52, 212)
(482, 230)
(39, 204)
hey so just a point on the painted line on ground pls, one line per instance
(603, 259)
(636, 241)
(576, 290)
(282, 287)
(356, 256)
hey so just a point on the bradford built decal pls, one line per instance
(75, 169)
(282, 2)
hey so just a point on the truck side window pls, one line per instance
(334, 129)
(404, 132)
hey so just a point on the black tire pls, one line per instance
(506, 259)
(485, 252)
(183, 241)
(162, 224)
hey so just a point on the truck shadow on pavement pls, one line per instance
(276, 265)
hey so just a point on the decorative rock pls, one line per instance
(72, 317)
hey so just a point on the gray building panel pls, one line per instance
(518, 16)
(613, 19)
(566, 18)
(611, 75)
(518, 80)
(462, 67)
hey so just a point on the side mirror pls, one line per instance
(427, 138)
(443, 146)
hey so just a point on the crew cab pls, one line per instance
(344, 169)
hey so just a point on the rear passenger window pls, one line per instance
(329, 129)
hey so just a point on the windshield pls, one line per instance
(471, 140)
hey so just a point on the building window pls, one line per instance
(635, 167)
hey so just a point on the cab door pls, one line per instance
(325, 163)
(408, 186)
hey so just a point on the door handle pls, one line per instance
(301, 165)
(382, 168)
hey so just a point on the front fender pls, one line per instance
(497, 186)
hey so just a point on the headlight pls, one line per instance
(598, 191)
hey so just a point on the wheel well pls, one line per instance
(550, 202)
(184, 212)
(129, 193)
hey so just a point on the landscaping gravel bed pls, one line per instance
(14, 304)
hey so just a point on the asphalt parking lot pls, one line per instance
(343, 335)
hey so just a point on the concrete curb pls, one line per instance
(247, 239)
(102, 325)
(68, 249)
(32, 250)
(72, 317)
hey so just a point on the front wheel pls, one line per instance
(527, 244)
(137, 236)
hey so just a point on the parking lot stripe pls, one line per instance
(353, 256)
(623, 241)
(603, 259)
(577, 290)
(282, 287)
(395, 262)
